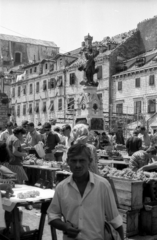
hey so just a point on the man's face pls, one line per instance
(47, 130)
(79, 165)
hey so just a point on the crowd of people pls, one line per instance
(76, 194)
(75, 197)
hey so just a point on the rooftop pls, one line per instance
(27, 40)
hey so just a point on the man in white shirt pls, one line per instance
(84, 199)
(9, 131)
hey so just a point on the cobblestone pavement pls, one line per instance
(30, 220)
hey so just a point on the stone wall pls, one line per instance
(148, 33)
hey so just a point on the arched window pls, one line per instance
(17, 57)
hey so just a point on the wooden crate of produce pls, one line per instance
(148, 219)
(128, 193)
(130, 222)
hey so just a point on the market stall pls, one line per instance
(23, 196)
(31, 162)
(136, 198)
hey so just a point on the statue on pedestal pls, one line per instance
(88, 67)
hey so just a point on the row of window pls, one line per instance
(138, 107)
(52, 83)
(138, 82)
(45, 108)
(34, 69)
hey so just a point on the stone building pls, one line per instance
(135, 90)
(16, 50)
(51, 88)
(114, 58)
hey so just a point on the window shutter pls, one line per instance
(44, 86)
(151, 80)
(49, 84)
(99, 74)
(119, 86)
(52, 106)
(44, 107)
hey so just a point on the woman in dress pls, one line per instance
(16, 154)
(80, 136)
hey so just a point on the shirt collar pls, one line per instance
(91, 178)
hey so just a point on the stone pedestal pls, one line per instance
(90, 109)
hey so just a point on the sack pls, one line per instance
(110, 232)
(40, 150)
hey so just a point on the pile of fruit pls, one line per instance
(114, 154)
(28, 194)
(126, 173)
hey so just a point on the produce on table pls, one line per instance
(28, 194)
(126, 173)
(31, 157)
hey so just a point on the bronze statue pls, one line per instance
(89, 66)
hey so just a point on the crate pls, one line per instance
(148, 219)
(150, 190)
(128, 193)
(130, 222)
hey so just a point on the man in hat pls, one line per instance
(134, 143)
(84, 199)
(9, 131)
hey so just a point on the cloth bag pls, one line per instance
(110, 232)
(40, 150)
(2, 221)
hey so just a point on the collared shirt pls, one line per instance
(4, 135)
(89, 212)
(138, 160)
(33, 138)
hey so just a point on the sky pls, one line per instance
(66, 22)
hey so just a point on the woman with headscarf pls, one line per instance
(80, 136)
(16, 154)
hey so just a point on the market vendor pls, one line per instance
(84, 199)
(33, 137)
(142, 158)
(16, 154)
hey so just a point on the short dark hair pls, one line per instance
(47, 125)
(57, 129)
(19, 130)
(4, 153)
(66, 127)
(77, 149)
(142, 128)
(31, 124)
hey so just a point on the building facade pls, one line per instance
(16, 50)
(135, 90)
(50, 89)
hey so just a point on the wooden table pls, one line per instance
(47, 168)
(13, 203)
(112, 163)
(42, 168)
